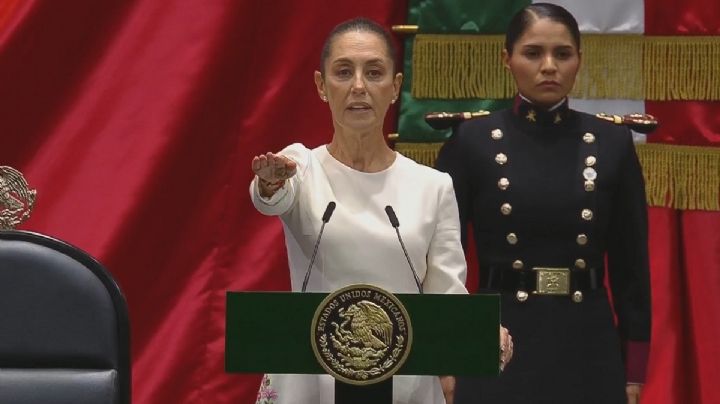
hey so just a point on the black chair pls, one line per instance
(64, 330)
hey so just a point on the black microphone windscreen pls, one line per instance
(328, 212)
(391, 215)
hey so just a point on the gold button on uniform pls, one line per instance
(577, 297)
(580, 263)
(586, 214)
(496, 134)
(590, 161)
(503, 183)
(589, 173)
(506, 208)
(512, 238)
(588, 137)
(517, 264)
(501, 158)
(521, 295)
(581, 239)
(589, 185)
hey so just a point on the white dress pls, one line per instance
(359, 245)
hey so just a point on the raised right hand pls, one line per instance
(273, 168)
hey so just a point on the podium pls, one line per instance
(269, 332)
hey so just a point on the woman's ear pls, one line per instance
(320, 85)
(579, 58)
(506, 59)
(397, 84)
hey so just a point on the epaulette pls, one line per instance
(642, 123)
(445, 120)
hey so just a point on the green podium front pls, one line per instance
(452, 335)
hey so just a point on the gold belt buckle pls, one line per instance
(552, 281)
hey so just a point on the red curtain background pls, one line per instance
(136, 122)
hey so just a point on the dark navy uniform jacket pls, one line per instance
(558, 189)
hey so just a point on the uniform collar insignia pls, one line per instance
(531, 116)
(538, 116)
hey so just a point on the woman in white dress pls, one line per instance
(362, 175)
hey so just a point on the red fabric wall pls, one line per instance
(684, 362)
(136, 122)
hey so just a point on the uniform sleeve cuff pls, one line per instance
(636, 358)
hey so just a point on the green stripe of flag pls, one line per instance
(448, 17)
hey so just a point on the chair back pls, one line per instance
(64, 330)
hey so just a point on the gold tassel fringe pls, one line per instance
(460, 66)
(423, 153)
(614, 67)
(678, 177)
(611, 67)
(681, 177)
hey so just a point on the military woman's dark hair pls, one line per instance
(528, 15)
(359, 25)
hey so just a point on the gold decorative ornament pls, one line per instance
(16, 198)
(496, 134)
(580, 263)
(512, 238)
(531, 116)
(503, 183)
(501, 158)
(552, 281)
(589, 185)
(590, 161)
(518, 264)
(643, 123)
(361, 334)
(581, 239)
(506, 209)
(589, 173)
(521, 296)
(405, 29)
(586, 214)
(445, 120)
(588, 138)
(577, 296)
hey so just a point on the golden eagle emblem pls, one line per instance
(369, 325)
(16, 198)
(361, 334)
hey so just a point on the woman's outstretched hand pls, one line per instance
(272, 171)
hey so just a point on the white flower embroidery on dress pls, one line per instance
(266, 394)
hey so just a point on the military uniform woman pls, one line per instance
(556, 201)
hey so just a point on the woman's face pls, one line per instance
(359, 83)
(544, 62)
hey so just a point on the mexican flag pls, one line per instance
(658, 57)
(652, 56)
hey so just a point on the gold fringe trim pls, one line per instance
(611, 67)
(678, 177)
(460, 66)
(614, 67)
(423, 153)
(682, 68)
(681, 177)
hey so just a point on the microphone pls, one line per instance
(396, 224)
(325, 218)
